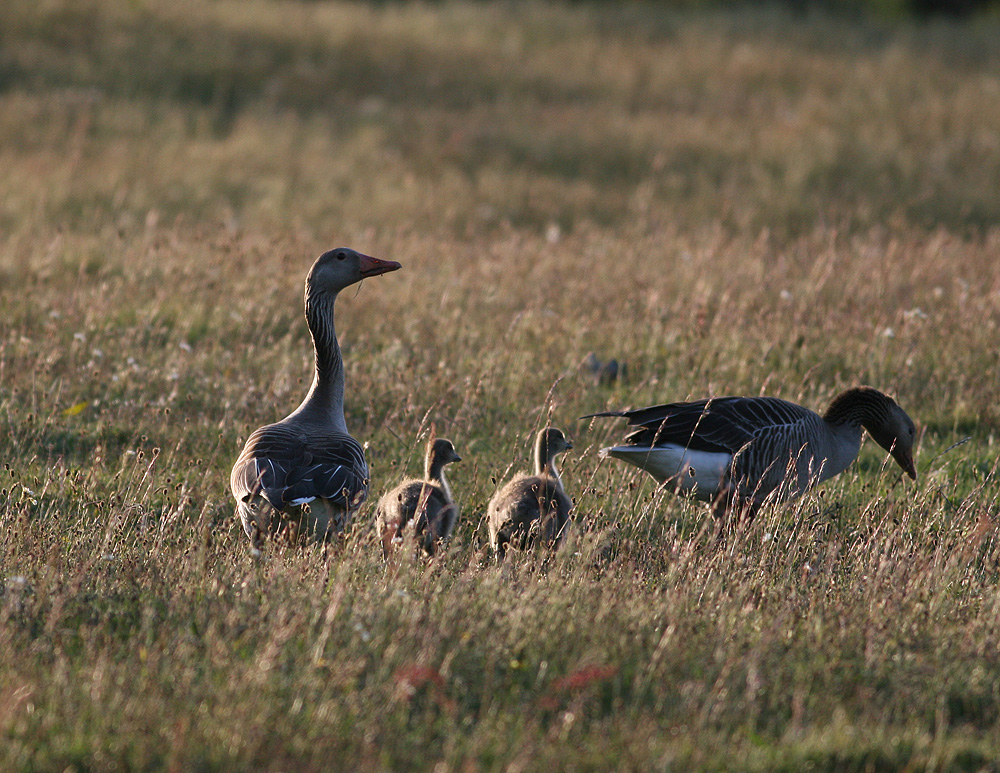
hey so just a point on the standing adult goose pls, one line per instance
(309, 457)
(738, 451)
(532, 504)
(426, 505)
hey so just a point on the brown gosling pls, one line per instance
(532, 505)
(425, 506)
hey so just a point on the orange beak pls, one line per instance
(374, 266)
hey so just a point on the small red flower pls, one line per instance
(575, 682)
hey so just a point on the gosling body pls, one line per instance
(532, 507)
(424, 507)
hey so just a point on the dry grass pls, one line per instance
(732, 202)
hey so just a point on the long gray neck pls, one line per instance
(325, 400)
(545, 462)
(434, 472)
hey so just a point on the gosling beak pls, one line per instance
(374, 266)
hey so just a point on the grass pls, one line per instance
(732, 201)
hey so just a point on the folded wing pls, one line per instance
(724, 424)
(288, 468)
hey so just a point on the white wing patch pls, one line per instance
(301, 501)
(701, 473)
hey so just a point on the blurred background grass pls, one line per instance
(779, 198)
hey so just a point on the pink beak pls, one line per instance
(374, 266)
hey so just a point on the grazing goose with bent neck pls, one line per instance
(738, 451)
(424, 506)
(309, 457)
(532, 503)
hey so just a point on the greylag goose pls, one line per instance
(530, 504)
(426, 504)
(309, 457)
(737, 451)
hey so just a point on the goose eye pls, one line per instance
(341, 255)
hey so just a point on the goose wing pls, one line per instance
(724, 424)
(290, 467)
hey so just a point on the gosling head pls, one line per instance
(443, 451)
(551, 441)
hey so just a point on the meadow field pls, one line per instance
(732, 201)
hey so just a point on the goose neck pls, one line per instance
(545, 461)
(433, 466)
(325, 400)
(434, 472)
(859, 407)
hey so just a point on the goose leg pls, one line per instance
(293, 530)
(722, 510)
(388, 529)
(445, 522)
(500, 545)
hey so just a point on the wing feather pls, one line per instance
(724, 424)
(288, 466)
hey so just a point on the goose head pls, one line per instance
(336, 269)
(550, 443)
(443, 452)
(897, 434)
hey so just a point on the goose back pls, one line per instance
(290, 467)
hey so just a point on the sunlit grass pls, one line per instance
(732, 202)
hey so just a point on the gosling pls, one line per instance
(426, 506)
(532, 505)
